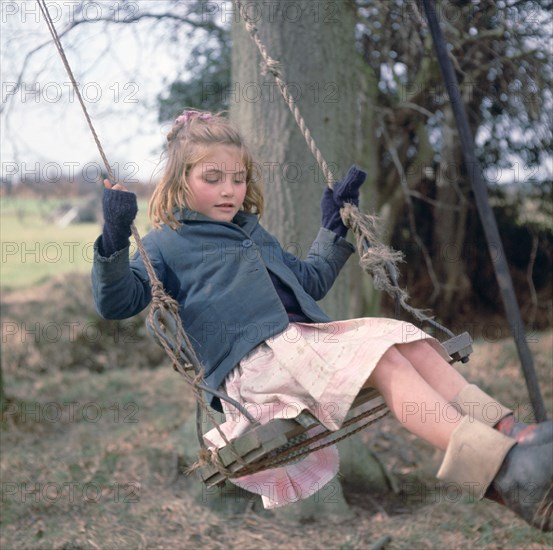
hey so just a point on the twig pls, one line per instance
(437, 204)
(377, 505)
(415, 107)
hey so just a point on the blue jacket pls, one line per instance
(218, 273)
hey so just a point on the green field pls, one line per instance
(35, 248)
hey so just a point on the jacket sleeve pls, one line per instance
(120, 286)
(326, 257)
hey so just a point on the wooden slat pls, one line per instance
(459, 347)
(262, 440)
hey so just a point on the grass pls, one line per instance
(92, 456)
(93, 436)
(109, 483)
(35, 248)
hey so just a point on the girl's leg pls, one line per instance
(419, 407)
(470, 399)
(433, 368)
(480, 460)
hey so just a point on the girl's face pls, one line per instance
(217, 183)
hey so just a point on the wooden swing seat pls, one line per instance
(274, 438)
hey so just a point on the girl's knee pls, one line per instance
(387, 357)
(416, 351)
(392, 365)
(392, 359)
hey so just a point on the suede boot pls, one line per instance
(477, 404)
(483, 462)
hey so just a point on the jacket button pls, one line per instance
(247, 243)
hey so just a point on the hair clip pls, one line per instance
(187, 116)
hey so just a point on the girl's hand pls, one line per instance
(345, 190)
(119, 204)
(117, 186)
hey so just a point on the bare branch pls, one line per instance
(437, 204)
(412, 222)
(415, 107)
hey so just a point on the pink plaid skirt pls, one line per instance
(320, 368)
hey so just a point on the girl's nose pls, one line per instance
(227, 189)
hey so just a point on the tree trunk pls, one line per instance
(314, 42)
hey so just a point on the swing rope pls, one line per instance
(375, 258)
(273, 66)
(164, 310)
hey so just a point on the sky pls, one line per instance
(120, 70)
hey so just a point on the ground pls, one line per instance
(91, 454)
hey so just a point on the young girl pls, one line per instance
(250, 311)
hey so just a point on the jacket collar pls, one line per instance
(245, 220)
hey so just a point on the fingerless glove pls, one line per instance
(120, 209)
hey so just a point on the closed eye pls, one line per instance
(212, 177)
(215, 177)
(240, 177)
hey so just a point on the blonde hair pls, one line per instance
(187, 143)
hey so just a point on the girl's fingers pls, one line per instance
(117, 186)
